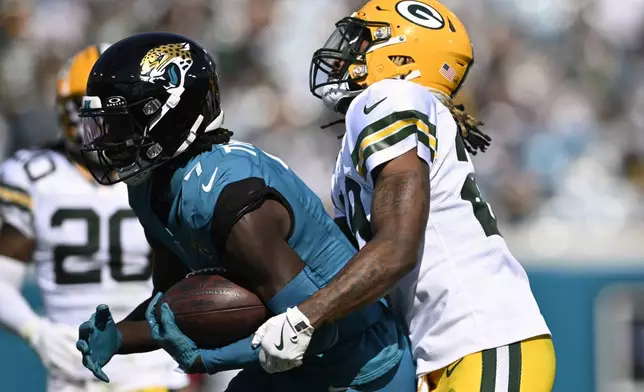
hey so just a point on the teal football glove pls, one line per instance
(169, 337)
(98, 341)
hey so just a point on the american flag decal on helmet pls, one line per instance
(448, 72)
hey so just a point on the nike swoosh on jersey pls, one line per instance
(368, 109)
(207, 188)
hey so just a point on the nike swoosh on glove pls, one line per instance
(284, 339)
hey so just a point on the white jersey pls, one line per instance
(467, 293)
(89, 249)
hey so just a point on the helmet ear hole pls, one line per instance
(401, 60)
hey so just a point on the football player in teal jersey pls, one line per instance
(152, 119)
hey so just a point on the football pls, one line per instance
(213, 311)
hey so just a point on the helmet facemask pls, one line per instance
(338, 68)
(124, 149)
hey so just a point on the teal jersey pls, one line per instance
(212, 191)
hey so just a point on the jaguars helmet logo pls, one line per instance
(168, 64)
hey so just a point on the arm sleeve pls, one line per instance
(238, 355)
(16, 204)
(405, 119)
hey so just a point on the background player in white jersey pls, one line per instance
(404, 188)
(87, 246)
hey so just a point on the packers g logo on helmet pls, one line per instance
(421, 14)
(420, 41)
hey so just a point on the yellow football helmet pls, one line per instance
(70, 88)
(421, 41)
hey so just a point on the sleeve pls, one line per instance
(237, 188)
(16, 205)
(238, 355)
(389, 119)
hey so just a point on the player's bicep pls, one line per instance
(257, 243)
(260, 252)
(400, 204)
(167, 267)
(260, 235)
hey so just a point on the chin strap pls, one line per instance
(192, 135)
(332, 123)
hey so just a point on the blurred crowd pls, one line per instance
(557, 83)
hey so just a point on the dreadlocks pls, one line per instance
(468, 126)
(206, 140)
(203, 143)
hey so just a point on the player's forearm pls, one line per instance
(136, 337)
(367, 278)
(135, 332)
(399, 214)
(15, 313)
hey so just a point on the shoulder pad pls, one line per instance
(390, 96)
(36, 164)
(13, 172)
(387, 116)
(16, 191)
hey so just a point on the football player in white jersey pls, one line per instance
(404, 189)
(87, 247)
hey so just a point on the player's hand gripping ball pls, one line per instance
(203, 311)
(169, 337)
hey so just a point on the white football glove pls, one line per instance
(284, 339)
(55, 344)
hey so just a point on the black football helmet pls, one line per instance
(148, 97)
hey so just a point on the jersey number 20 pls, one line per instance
(88, 251)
